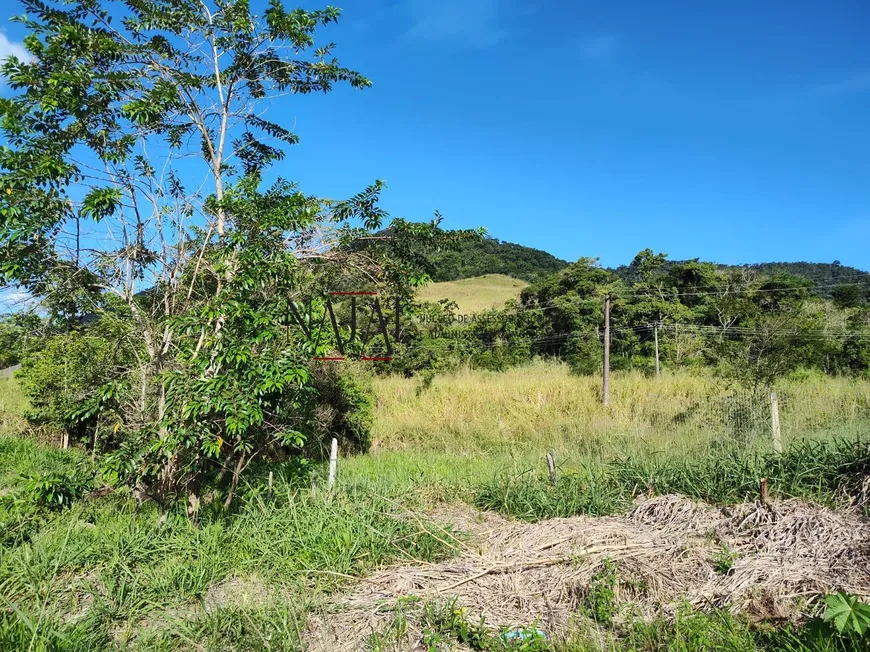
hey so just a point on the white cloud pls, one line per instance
(12, 48)
(599, 48)
(470, 23)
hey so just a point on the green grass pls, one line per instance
(109, 574)
(13, 404)
(829, 473)
(477, 435)
(137, 581)
(601, 627)
(475, 294)
(21, 457)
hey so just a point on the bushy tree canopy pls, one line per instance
(133, 192)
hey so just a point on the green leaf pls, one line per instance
(100, 203)
(848, 613)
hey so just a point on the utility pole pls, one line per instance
(605, 394)
(658, 368)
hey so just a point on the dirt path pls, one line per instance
(767, 562)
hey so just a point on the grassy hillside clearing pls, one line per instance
(475, 294)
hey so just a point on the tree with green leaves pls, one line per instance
(18, 333)
(132, 186)
(653, 302)
(570, 307)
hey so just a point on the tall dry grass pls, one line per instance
(542, 406)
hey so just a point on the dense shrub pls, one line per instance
(66, 379)
(343, 409)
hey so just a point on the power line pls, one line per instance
(731, 332)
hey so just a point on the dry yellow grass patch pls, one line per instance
(475, 294)
(543, 405)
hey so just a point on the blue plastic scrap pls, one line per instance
(523, 634)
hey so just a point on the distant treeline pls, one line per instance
(826, 277)
(493, 256)
(751, 323)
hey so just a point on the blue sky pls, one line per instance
(732, 131)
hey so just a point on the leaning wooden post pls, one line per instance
(658, 368)
(774, 422)
(333, 464)
(551, 466)
(605, 389)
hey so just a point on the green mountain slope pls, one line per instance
(492, 256)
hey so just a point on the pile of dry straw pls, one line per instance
(785, 555)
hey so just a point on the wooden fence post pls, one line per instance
(605, 387)
(551, 466)
(774, 422)
(333, 464)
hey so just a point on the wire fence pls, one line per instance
(698, 417)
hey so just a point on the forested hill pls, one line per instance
(818, 273)
(492, 256)
(825, 276)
